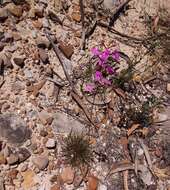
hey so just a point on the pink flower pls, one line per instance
(105, 55)
(116, 55)
(110, 70)
(95, 51)
(89, 87)
(98, 76)
(105, 81)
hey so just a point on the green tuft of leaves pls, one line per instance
(77, 150)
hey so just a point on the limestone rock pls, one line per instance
(13, 129)
(67, 175)
(50, 143)
(41, 162)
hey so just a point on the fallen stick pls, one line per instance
(125, 179)
(117, 12)
(83, 35)
(74, 94)
(57, 52)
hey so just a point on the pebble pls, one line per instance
(2, 45)
(55, 187)
(6, 151)
(3, 14)
(28, 179)
(168, 87)
(43, 55)
(43, 133)
(45, 23)
(41, 162)
(67, 175)
(15, 130)
(76, 16)
(12, 49)
(161, 117)
(50, 143)
(16, 36)
(39, 11)
(45, 117)
(19, 61)
(44, 2)
(64, 124)
(37, 24)
(23, 154)
(42, 43)
(7, 37)
(1, 65)
(2, 187)
(7, 63)
(102, 187)
(108, 4)
(2, 159)
(13, 173)
(34, 34)
(67, 50)
(14, 10)
(92, 183)
(12, 159)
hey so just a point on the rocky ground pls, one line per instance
(40, 106)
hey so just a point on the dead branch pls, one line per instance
(74, 94)
(83, 35)
(117, 12)
(125, 179)
(148, 158)
(57, 52)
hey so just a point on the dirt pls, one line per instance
(45, 61)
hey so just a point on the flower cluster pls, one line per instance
(104, 69)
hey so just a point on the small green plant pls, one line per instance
(140, 115)
(77, 150)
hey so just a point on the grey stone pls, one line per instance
(42, 43)
(12, 159)
(13, 129)
(63, 123)
(108, 4)
(46, 23)
(50, 143)
(7, 38)
(19, 61)
(43, 56)
(23, 154)
(7, 63)
(41, 162)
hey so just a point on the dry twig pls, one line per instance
(125, 179)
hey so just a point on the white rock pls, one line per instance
(168, 87)
(45, 23)
(162, 117)
(102, 187)
(50, 143)
(109, 3)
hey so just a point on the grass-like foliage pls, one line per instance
(77, 150)
(141, 115)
